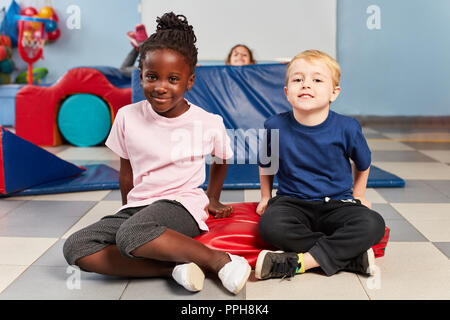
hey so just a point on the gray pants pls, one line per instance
(129, 229)
(127, 66)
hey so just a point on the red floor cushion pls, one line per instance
(238, 234)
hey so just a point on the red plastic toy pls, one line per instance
(31, 41)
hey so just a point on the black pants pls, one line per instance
(333, 232)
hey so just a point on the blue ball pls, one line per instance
(50, 26)
(84, 120)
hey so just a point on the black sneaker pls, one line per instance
(363, 264)
(276, 264)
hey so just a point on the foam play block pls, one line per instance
(37, 107)
(23, 164)
(95, 177)
(238, 234)
(84, 120)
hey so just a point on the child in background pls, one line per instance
(160, 174)
(240, 55)
(136, 38)
(319, 217)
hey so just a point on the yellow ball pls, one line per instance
(46, 12)
(36, 25)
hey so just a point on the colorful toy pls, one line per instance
(29, 12)
(46, 12)
(38, 75)
(51, 27)
(5, 41)
(31, 41)
(6, 61)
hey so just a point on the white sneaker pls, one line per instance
(189, 275)
(235, 273)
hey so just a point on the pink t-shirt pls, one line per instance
(168, 155)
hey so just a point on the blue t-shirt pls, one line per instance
(313, 161)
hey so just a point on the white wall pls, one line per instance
(273, 29)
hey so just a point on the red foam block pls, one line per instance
(238, 234)
(37, 107)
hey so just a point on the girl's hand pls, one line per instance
(218, 210)
(262, 206)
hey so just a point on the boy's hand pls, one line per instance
(218, 210)
(262, 206)
(365, 202)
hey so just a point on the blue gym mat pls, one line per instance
(96, 177)
(246, 176)
(102, 177)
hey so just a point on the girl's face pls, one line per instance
(240, 57)
(165, 77)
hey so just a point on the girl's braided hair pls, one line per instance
(172, 32)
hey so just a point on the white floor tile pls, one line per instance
(23, 251)
(254, 195)
(387, 145)
(439, 155)
(408, 271)
(366, 130)
(19, 198)
(75, 196)
(91, 153)
(416, 170)
(431, 219)
(100, 210)
(8, 274)
(307, 286)
(373, 196)
(420, 136)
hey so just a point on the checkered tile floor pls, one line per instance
(416, 264)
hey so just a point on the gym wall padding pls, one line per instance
(245, 97)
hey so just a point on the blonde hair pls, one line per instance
(316, 55)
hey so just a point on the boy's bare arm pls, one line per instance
(125, 179)
(359, 185)
(217, 174)
(266, 182)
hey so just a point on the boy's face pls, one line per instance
(165, 77)
(310, 86)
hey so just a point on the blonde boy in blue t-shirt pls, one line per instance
(320, 217)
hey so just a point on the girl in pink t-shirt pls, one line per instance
(163, 143)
